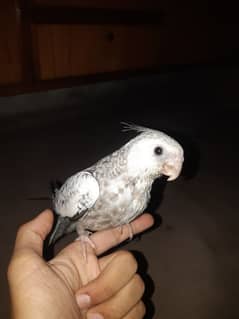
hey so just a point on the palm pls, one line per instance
(58, 280)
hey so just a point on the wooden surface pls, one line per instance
(10, 46)
(111, 4)
(57, 43)
(74, 50)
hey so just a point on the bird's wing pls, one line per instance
(78, 194)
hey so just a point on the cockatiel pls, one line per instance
(116, 189)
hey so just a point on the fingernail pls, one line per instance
(83, 301)
(94, 316)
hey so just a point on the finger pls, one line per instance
(79, 270)
(103, 241)
(137, 312)
(122, 302)
(32, 234)
(106, 239)
(110, 280)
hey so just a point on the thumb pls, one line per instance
(32, 234)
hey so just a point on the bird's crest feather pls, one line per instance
(133, 127)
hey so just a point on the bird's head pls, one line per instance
(153, 153)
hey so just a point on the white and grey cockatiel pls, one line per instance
(117, 188)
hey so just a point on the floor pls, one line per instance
(191, 260)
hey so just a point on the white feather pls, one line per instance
(78, 193)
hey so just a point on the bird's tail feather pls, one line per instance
(54, 186)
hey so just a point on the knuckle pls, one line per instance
(128, 258)
(141, 310)
(139, 283)
(138, 312)
(22, 229)
(108, 291)
(13, 267)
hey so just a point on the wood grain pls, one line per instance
(75, 50)
(10, 48)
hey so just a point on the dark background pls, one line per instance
(192, 257)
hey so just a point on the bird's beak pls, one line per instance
(59, 229)
(172, 171)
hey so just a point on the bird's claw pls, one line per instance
(130, 230)
(84, 239)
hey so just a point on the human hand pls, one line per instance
(52, 289)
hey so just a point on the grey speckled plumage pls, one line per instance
(117, 188)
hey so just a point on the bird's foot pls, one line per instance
(129, 229)
(121, 229)
(85, 239)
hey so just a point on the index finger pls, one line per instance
(107, 239)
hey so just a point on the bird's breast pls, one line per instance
(120, 201)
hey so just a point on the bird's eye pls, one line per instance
(158, 150)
